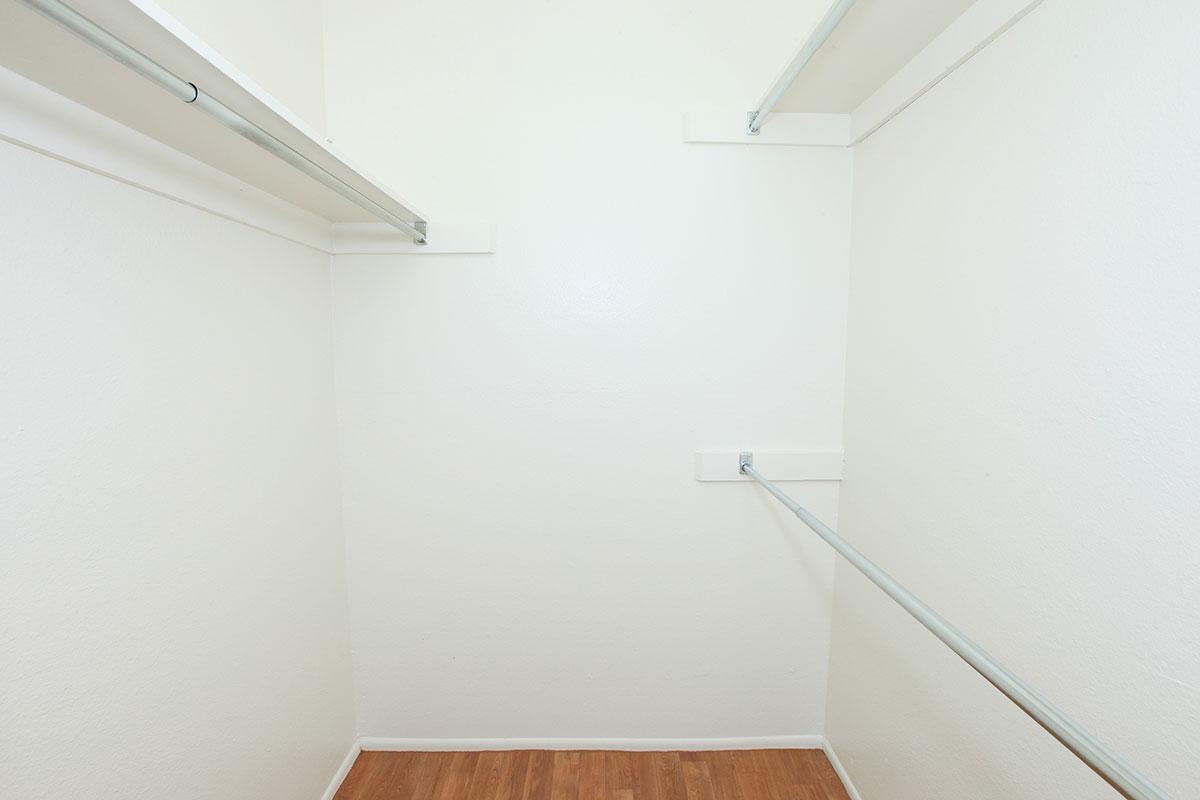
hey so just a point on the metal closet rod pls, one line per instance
(756, 118)
(1103, 761)
(93, 34)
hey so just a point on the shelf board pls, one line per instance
(53, 57)
(881, 59)
(874, 40)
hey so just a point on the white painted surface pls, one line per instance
(379, 238)
(1022, 419)
(729, 127)
(172, 585)
(530, 554)
(64, 63)
(975, 29)
(775, 465)
(810, 742)
(873, 41)
(38, 119)
(280, 43)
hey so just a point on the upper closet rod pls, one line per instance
(756, 118)
(189, 93)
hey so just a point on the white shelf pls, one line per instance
(58, 60)
(881, 58)
(874, 40)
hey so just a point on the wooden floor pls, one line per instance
(594, 775)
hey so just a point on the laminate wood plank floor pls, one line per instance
(594, 775)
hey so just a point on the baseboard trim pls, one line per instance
(840, 769)
(799, 742)
(342, 771)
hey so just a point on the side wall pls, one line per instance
(1022, 413)
(529, 553)
(172, 584)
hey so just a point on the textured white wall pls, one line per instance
(529, 554)
(1022, 416)
(172, 590)
(279, 44)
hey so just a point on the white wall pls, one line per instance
(279, 44)
(529, 554)
(1022, 414)
(172, 587)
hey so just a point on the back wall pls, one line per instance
(529, 554)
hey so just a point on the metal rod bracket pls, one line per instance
(745, 459)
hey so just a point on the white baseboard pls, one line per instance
(800, 742)
(342, 771)
(840, 769)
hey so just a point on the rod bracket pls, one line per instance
(423, 229)
(745, 459)
(750, 129)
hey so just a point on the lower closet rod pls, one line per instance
(1103, 761)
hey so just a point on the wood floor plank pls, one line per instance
(541, 775)
(784, 782)
(361, 774)
(697, 780)
(456, 780)
(749, 778)
(565, 784)
(485, 778)
(434, 766)
(514, 772)
(828, 778)
(670, 777)
(593, 775)
(645, 776)
(397, 779)
(724, 775)
(619, 772)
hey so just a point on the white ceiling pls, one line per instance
(876, 39)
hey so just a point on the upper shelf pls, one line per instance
(863, 63)
(46, 53)
(874, 40)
